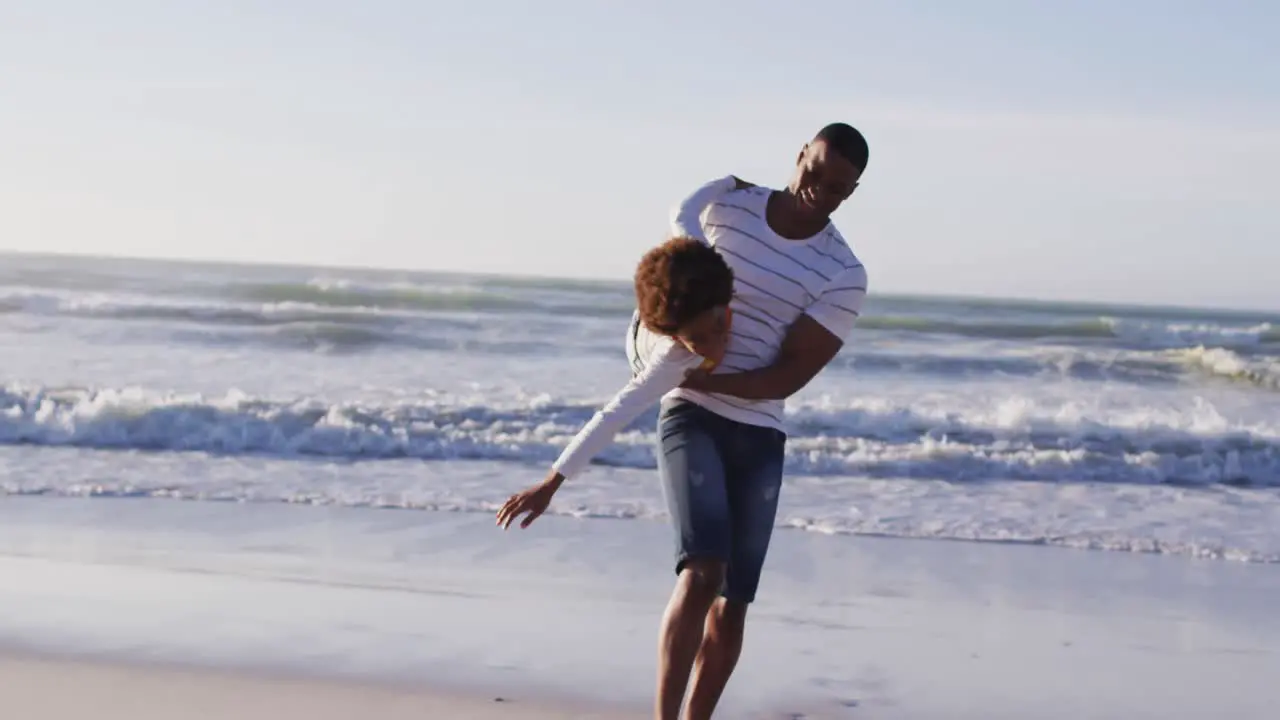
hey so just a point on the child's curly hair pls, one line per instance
(679, 280)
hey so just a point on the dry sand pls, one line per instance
(38, 688)
(430, 615)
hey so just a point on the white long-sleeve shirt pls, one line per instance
(667, 365)
(658, 363)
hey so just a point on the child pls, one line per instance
(683, 288)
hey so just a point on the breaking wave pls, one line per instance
(1019, 440)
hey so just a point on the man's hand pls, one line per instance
(806, 349)
(534, 501)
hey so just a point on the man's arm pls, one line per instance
(685, 219)
(811, 342)
(807, 348)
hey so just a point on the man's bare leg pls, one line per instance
(697, 587)
(721, 646)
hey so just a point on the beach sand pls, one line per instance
(313, 612)
(52, 689)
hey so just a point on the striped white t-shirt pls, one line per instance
(776, 280)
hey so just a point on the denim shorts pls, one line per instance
(721, 480)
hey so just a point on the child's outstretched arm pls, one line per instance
(686, 217)
(665, 371)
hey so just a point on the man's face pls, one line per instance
(823, 178)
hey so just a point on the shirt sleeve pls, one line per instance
(686, 217)
(665, 371)
(840, 303)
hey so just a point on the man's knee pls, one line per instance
(703, 577)
(728, 612)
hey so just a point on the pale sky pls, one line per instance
(1112, 150)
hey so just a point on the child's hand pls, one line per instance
(533, 501)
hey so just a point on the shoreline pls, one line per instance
(443, 608)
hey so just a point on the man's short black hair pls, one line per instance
(846, 141)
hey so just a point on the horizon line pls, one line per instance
(294, 265)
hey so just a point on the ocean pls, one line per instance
(1103, 428)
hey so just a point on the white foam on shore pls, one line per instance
(1063, 439)
(1225, 523)
(845, 627)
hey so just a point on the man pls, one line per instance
(797, 292)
